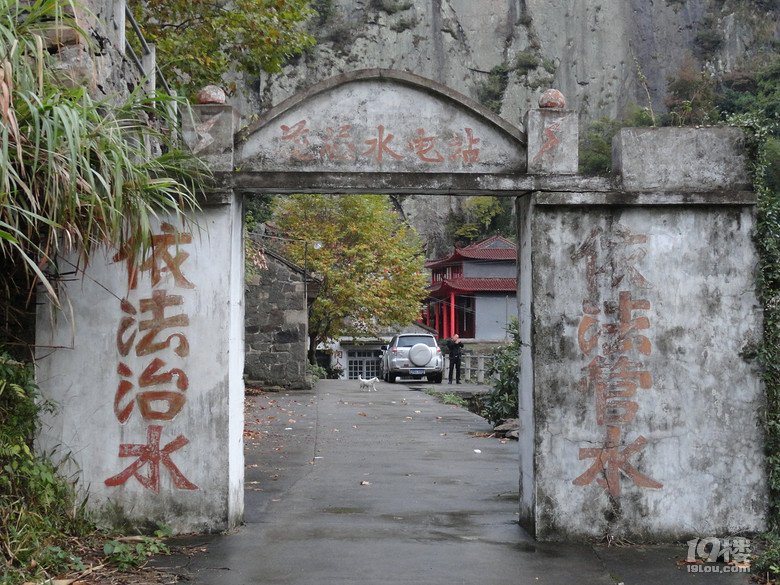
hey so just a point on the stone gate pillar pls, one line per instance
(641, 418)
(145, 368)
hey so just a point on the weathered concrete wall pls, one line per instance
(642, 415)
(670, 294)
(276, 326)
(494, 314)
(700, 160)
(553, 141)
(147, 379)
(386, 121)
(146, 373)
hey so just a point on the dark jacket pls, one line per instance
(455, 348)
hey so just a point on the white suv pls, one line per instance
(412, 355)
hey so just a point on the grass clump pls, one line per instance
(448, 398)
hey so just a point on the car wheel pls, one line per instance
(391, 378)
(420, 354)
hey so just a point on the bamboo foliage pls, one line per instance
(74, 170)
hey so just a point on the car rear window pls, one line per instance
(410, 340)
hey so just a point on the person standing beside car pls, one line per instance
(455, 346)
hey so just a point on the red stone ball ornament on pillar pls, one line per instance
(212, 94)
(553, 99)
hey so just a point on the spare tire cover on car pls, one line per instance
(420, 354)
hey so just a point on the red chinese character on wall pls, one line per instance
(613, 386)
(337, 144)
(610, 261)
(589, 331)
(610, 461)
(161, 259)
(296, 142)
(619, 335)
(623, 331)
(150, 320)
(379, 145)
(155, 305)
(465, 149)
(149, 400)
(424, 147)
(157, 322)
(151, 456)
(609, 258)
(551, 140)
(122, 410)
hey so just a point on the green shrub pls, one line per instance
(323, 9)
(133, 552)
(759, 131)
(525, 62)
(38, 511)
(491, 93)
(501, 403)
(404, 24)
(708, 41)
(596, 147)
(767, 564)
(391, 6)
(318, 372)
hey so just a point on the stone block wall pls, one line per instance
(276, 326)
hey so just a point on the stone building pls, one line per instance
(276, 329)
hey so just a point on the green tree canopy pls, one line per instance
(480, 217)
(369, 262)
(198, 41)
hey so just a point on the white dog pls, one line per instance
(369, 384)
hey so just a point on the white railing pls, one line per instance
(473, 368)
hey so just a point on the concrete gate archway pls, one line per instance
(619, 281)
(390, 132)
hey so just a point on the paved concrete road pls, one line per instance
(393, 487)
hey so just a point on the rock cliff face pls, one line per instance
(592, 50)
(505, 53)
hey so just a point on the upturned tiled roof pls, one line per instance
(467, 284)
(495, 248)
